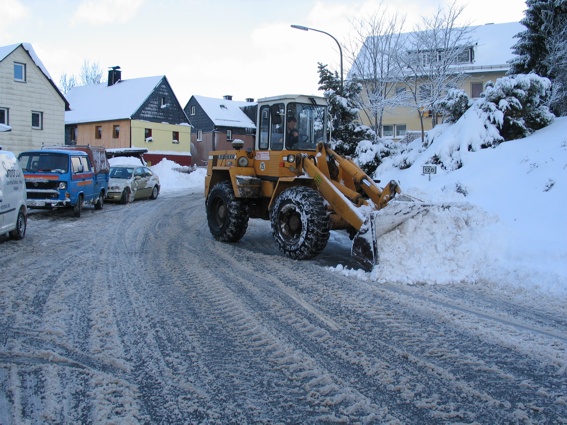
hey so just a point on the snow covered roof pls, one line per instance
(101, 102)
(226, 113)
(492, 46)
(6, 50)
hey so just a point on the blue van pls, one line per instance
(66, 176)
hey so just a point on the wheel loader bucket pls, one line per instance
(365, 242)
(365, 246)
(395, 213)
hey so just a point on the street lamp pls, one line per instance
(301, 27)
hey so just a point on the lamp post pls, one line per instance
(301, 27)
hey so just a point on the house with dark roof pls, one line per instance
(32, 108)
(217, 122)
(139, 113)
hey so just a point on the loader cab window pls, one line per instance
(310, 125)
(264, 127)
(277, 128)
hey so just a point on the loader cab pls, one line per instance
(277, 115)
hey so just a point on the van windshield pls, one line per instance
(44, 162)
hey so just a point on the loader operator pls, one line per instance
(292, 134)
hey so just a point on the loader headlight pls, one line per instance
(243, 161)
(290, 158)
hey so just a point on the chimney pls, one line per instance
(114, 75)
(227, 97)
(250, 99)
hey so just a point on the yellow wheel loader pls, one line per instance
(294, 179)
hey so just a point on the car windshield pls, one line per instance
(121, 172)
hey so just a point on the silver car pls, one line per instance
(129, 182)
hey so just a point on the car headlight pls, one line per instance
(291, 158)
(62, 185)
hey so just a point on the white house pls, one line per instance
(31, 105)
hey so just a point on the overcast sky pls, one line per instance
(243, 48)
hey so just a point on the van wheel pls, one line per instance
(227, 215)
(78, 207)
(100, 201)
(21, 224)
(300, 222)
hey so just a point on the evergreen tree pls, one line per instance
(542, 19)
(541, 48)
(346, 131)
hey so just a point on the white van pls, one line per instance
(13, 198)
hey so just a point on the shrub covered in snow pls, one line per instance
(453, 105)
(523, 101)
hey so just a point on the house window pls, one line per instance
(98, 132)
(148, 135)
(388, 131)
(116, 132)
(74, 134)
(476, 90)
(192, 110)
(400, 90)
(228, 134)
(19, 71)
(37, 120)
(400, 130)
(163, 103)
(199, 135)
(466, 56)
(175, 136)
(4, 116)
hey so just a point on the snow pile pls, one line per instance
(174, 177)
(440, 246)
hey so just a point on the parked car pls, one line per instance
(130, 182)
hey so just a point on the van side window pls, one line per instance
(86, 163)
(76, 163)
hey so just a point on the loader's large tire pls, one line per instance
(300, 222)
(227, 215)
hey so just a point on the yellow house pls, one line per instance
(485, 60)
(141, 113)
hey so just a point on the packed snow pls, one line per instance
(502, 219)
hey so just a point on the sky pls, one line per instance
(509, 231)
(245, 48)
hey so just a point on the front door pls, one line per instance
(82, 179)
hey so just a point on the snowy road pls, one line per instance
(133, 314)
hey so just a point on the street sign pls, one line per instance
(430, 169)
